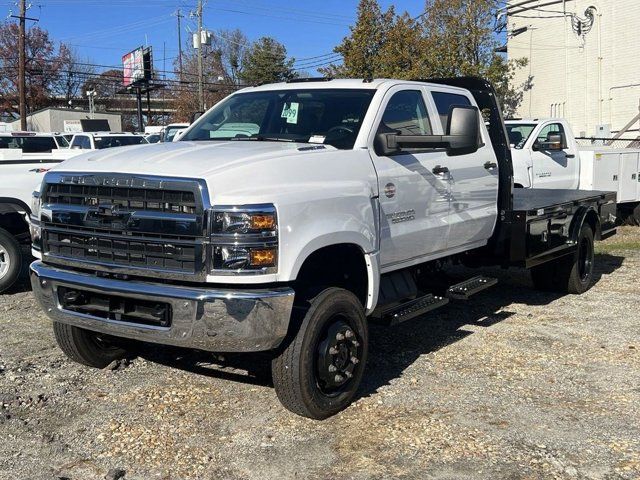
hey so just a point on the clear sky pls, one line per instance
(103, 31)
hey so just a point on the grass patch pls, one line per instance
(613, 246)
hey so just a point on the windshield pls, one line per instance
(116, 141)
(329, 116)
(170, 132)
(519, 133)
(31, 144)
(62, 141)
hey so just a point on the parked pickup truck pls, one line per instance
(24, 157)
(341, 209)
(545, 155)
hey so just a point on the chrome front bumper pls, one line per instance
(218, 320)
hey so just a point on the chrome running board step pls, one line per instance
(463, 290)
(413, 308)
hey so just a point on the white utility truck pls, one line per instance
(24, 157)
(341, 207)
(546, 155)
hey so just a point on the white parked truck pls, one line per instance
(546, 155)
(325, 204)
(24, 158)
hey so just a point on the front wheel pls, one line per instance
(10, 260)
(86, 347)
(318, 373)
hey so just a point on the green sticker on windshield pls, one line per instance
(290, 112)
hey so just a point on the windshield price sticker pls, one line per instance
(290, 112)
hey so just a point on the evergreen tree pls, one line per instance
(265, 62)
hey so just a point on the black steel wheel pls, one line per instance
(318, 371)
(86, 347)
(570, 274)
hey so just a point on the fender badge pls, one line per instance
(390, 190)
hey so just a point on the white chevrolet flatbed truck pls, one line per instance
(290, 215)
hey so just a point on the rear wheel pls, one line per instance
(629, 214)
(10, 260)
(318, 373)
(86, 347)
(570, 274)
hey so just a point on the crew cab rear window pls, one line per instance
(29, 144)
(444, 101)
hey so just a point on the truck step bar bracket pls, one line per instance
(413, 308)
(464, 290)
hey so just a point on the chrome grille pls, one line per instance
(124, 197)
(125, 224)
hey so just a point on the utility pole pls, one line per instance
(22, 87)
(22, 60)
(199, 46)
(179, 16)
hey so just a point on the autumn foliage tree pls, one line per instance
(44, 63)
(450, 38)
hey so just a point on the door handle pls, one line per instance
(490, 165)
(438, 169)
(570, 155)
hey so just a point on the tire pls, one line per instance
(318, 373)
(629, 214)
(570, 274)
(86, 347)
(10, 260)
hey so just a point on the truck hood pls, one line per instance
(186, 159)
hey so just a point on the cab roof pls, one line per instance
(338, 83)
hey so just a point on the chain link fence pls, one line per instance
(608, 142)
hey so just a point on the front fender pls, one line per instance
(521, 167)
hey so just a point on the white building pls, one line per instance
(66, 120)
(584, 61)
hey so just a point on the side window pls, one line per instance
(550, 129)
(444, 101)
(81, 141)
(406, 113)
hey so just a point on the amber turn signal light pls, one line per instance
(265, 257)
(263, 222)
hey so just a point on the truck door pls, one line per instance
(414, 192)
(553, 168)
(473, 181)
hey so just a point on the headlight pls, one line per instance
(35, 231)
(244, 239)
(36, 201)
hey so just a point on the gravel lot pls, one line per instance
(516, 384)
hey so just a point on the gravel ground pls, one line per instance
(516, 384)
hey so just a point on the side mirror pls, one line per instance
(195, 116)
(555, 141)
(462, 136)
(463, 130)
